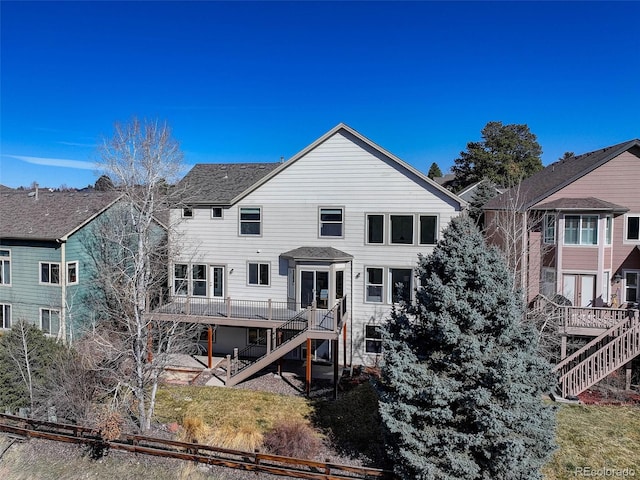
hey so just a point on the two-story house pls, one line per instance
(572, 231)
(324, 243)
(43, 258)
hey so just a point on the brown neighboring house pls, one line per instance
(573, 231)
(582, 219)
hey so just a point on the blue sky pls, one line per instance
(245, 81)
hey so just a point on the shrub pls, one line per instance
(292, 439)
(243, 438)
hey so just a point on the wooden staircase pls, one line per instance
(284, 339)
(602, 356)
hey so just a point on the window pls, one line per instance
(548, 287)
(633, 228)
(331, 222)
(608, 229)
(550, 228)
(428, 229)
(72, 273)
(256, 336)
(50, 273)
(402, 229)
(5, 315)
(581, 230)
(374, 285)
(5, 267)
(632, 281)
(180, 279)
(216, 212)
(199, 280)
(400, 284)
(187, 212)
(258, 274)
(250, 219)
(49, 320)
(373, 339)
(375, 228)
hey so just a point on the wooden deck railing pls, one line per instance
(600, 357)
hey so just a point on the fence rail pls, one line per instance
(252, 461)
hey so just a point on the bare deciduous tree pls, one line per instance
(130, 255)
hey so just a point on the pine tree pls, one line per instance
(461, 390)
(484, 192)
(434, 171)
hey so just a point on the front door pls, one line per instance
(217, 281)
(314, 285)
(579, 289)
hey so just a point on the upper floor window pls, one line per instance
(331, 222)
(632, 231)
(581, 230)
(49, 320)
(50, 273)
(375, 228)
(428, 229)
(216, 212)
(72, 273)
(258, 274)
(5, 315)
(5, 267)
(549, 233)
(401, 229)
(608, 229)
(187, 212)
(250, 220)
(190, 279)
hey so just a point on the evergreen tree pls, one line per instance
(506, 155)
(484, 192)
(461, 390)
(434, 171)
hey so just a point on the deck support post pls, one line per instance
(628, 371)
(210, 347)
(308, 369)
(268, 341)
(335, 368)
(228, 369)
(344, 345)
(563, 347)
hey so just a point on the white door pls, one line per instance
(579, 289)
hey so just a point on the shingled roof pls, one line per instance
(49, 215)
(220, 183)
(557, 176)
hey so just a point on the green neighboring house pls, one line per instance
(44, 266)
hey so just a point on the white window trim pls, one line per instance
(240, 221)
(3, 307)
(50, 310)
(2, 261)
(546, 240)
(77, 264)
(221, 213)
(332, 222)
(366, 228)
(625, 238)
(580, 244)
(390, 287)
(413, 229)
(381, 285)
(192, 281)
(268, 264)
(437, 232)
(624, 284)
(372, 339)
(190, 210)
(40, 264)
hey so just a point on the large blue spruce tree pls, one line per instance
(461, 391)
